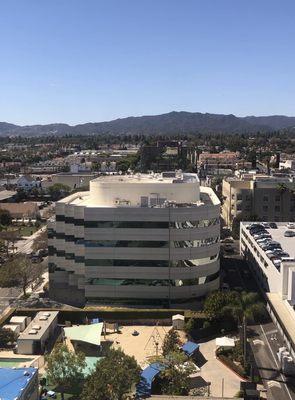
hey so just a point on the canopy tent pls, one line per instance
(144, 388)
(190, 347)
(225, 342)
(85, 333)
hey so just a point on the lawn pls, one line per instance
(28, 230)
(25, 230)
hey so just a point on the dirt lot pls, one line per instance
(144, 345)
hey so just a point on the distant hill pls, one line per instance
(169, 124)
(274, 121)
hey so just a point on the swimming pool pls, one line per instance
(14, 362)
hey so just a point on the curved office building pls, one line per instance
(138, 239)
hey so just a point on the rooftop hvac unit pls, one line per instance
(43, 318)
(33, 332)
(36, 327)
(46, 314)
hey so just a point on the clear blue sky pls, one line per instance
(76, 61)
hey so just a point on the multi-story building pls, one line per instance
(275, 273)
(145, 238)
(224, 159)
(268, 198)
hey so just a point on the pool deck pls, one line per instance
(9, 354)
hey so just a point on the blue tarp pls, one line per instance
(14, 381)
(144, 388)
(190, 347)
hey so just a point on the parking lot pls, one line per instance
(265, 340)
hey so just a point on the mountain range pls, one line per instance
(167, 124)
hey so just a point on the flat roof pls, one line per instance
(287, 243)
(14, 381)
(155, 178)
(6, 194)
(40, 321)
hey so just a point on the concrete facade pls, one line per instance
(276, 280)
(268, 198)
(135, 238)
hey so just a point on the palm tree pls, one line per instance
(245, 307)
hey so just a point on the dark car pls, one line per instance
(273, 225)
(289, 233)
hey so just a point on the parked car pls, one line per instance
(273, 225)
(36, 259)
(289, 234)
(43, 252)
(266, 225)
(291, 225)
(227, 240)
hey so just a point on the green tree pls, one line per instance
(64, 368)
(58, 190)
(113, 378)
(20, 272)
(171, 342)
(7, 336)
(5, 217)
(175, 374)
(224, 305)
(245, 306)
(9, 238)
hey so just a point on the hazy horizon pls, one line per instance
(92, 61)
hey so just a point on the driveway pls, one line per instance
(224, 382)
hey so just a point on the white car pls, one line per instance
(291, 225)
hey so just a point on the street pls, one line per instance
(24, 246)
(265, 339)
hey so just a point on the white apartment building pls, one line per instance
(145, 238)
(275, 275)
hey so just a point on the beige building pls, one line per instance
(28, 209)
(142, 239)
(73, 180)
(266, 197)
(34, 339)
(225, 159)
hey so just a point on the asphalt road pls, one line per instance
(265, 339)
(8, 295)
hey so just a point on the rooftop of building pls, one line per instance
(38, 326)
(253, 175)
(14, 381)
(146, 190)
(154, 178)
(287, 243)
(6, 194)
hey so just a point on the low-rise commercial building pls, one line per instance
(71, 179)
(28, 209)
(267, 197)
(34, 339)
(150, 238)
(272, 261)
